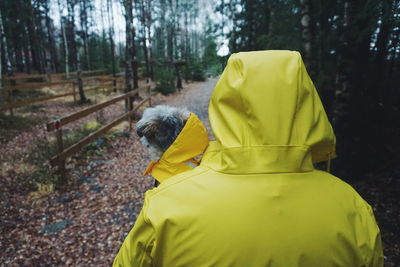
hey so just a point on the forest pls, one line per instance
(148, 52)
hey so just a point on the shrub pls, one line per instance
(198, 73)
(38, 170)
(196, 70)
(10, 126)
(165, 80)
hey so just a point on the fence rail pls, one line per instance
(34, 85)
(34, 100)
(56, 125)
(8, 91)
(24, 76)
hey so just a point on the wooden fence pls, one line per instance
(49, 77)
(56, 125)
(8, 90)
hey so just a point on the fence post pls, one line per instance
(149, 92)
(130, 107)
(10, 101)
(60, 146)
(74, 91)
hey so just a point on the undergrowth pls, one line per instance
(10, 126)
(44, 150)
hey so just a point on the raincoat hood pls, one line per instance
(267, 117)
(179, 157)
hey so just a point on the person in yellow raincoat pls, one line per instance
(255, 199)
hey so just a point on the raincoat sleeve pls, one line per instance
(138, 245)
(376, 257)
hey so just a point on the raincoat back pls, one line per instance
(256, 199)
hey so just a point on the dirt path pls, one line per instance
(86, 225)
(196, 100)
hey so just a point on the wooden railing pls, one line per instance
(8, 90)
(49, 77)
(56, 125)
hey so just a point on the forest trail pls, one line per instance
(86, 225)
(196, 100)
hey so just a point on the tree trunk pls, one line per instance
(17, 49)
(178, 77)
(128, 51)
(71, 33)
(1, 49)
(186, 45)
(342, 101)
(3, 41)
(50, 36)
(64, 36)
(82, 95)
(381, 51)
(134, 61)
(85, 30)
(149, 38)
(307, 34)
(27, 57)
(111, 38)
(144, 37)
(75, 51)
(34, 39)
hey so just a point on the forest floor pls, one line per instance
(85, 224)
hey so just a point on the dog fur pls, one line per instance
(159, 127)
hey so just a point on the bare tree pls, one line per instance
(143, 18)
(149, 38)
(84, 7)
(71, 33)
(110, 15)
(75, 52)
(34, 39)
(64, 37)
(128, 49)
(50, 37)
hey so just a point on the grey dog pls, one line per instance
(159, 127)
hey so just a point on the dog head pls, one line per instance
(159, 127)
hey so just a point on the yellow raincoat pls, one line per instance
(256, 199)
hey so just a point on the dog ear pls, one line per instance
(140, 129)
(168, 130)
